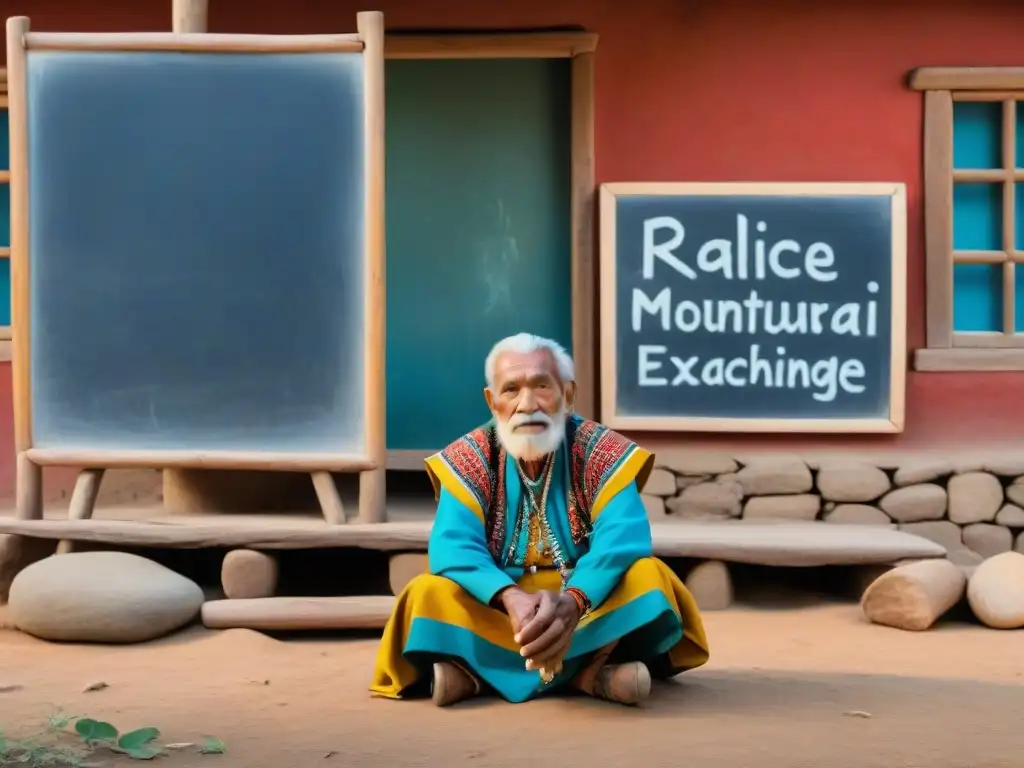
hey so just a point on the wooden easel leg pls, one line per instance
(83, 501)
(18, 552)
(29, 489)
(372, 496)
(329, 498)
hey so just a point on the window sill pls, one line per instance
(966, 359)
(5, 350)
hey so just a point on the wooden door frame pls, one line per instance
(579, 47)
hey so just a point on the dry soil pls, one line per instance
(814, 687)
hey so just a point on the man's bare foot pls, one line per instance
(623, 683)
(452, 684)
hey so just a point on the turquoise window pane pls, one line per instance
(5, 292)
(5, 141)
(977, 131)
(978, 297)
(5, 215)
(978, 217)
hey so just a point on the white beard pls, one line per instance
(527, 447)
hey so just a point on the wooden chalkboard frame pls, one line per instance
(371, 462)
(610, 193)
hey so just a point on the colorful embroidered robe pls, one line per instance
(596, 513)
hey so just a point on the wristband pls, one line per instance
(581, 600)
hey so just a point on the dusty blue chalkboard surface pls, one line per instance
(196, 256)
(754, 307)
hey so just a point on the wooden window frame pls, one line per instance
(946, 349)
(5, 250)
(579, 47)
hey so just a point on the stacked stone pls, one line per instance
(974, 511)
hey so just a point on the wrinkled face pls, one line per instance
(530, 403)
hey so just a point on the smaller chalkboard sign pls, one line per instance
(753, 307)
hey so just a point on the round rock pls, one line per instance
(852, 482)
(101, 597)
(248, 574)
(974, 497)
(915, 503)
(996, 591)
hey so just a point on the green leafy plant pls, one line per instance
(57, 747)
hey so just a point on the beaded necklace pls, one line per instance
(528, 507)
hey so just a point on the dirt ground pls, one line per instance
(785, 688)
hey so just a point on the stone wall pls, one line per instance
(975, 509)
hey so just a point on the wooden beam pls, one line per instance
(508, 45)
(175, 41)
(781, 543)
(281, 614)
(967, 79)
(965, 359)
(269, 461)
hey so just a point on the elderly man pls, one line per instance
(541, 569)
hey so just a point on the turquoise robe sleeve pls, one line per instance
(458, 551)
(621, 536)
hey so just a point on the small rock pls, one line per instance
(1019, 545)
(915, 596)
(11, 688)
(987, 540)
(248, 574)
(940, 531)
(996, 591)
(803, 506)
(99, 685)
(974, 497)
(852, 482)
(710, 585)
(707, 501)
(655, 506)
(689, 462)
(1011, 516)
(857, 713)
(775, 476)
(1015, 491)
(103, 597)
(661, 483)
(685, 481)
(923, 471)
(915, 503)
(857, 514)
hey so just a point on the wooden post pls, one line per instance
(372, 485)
(189, 15)
(16, 552)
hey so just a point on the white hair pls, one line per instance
(524, 344)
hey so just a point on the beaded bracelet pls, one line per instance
(581, 600)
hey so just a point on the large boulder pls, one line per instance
(101, 597)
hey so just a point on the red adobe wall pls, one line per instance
(712, 91)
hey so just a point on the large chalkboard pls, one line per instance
(197, 246)
(753, 307)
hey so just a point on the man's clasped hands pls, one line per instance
(542, 623)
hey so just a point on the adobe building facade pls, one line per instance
(743, 91)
